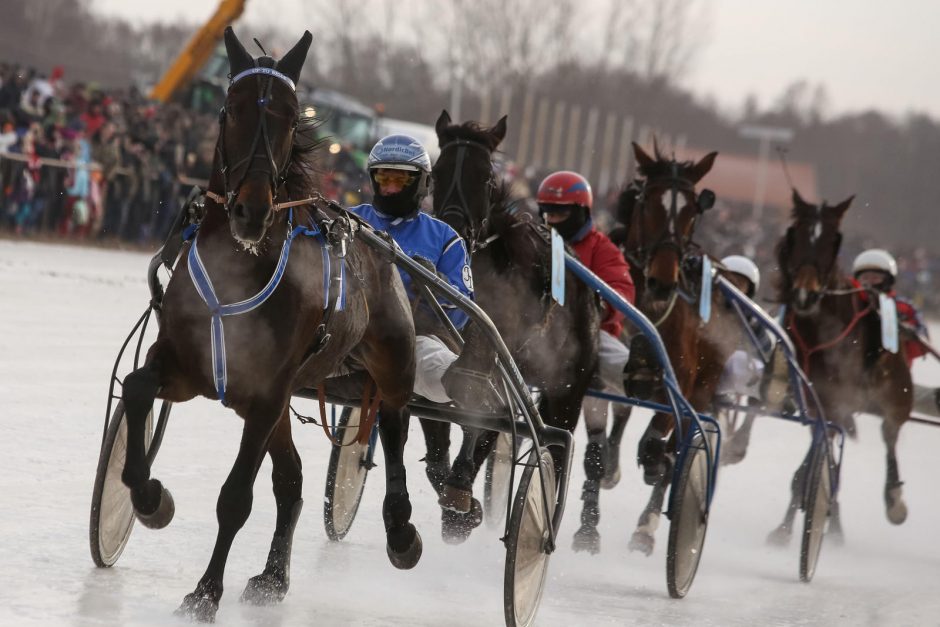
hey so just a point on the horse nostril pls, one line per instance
(239, 211)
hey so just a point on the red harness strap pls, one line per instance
(807, 351)
(367, 414)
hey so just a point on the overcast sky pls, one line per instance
(868, 53)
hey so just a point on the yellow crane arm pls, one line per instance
(198, 50)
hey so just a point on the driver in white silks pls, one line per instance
(744, 370)
(400, 171)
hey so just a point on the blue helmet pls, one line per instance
(401, 152)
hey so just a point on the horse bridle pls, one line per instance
(669, 237)
(265, 77)
(825, 276)
(460, 207)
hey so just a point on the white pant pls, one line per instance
(612, 358)
(432, 361)
(741, 376)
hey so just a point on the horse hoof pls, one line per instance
(587, 539)
(160, 517)
(455, 499)
(265, 589)
(407, 558)
(200, 608)
(611, 479)
(456, 527)
(732, 455)
(779, 536)
(641, 543)
(897, 513)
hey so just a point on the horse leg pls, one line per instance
(403, 541)
(461, 513)
(738, 441)
(233, 507)
(784, 531)
(272, 584)
(153, 504)
(653, 452)
(612, 462)
(643, 537)
(587, 538)
(894, 501)
(437, 460)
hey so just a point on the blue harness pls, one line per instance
(200, 278)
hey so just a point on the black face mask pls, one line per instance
(570, 226)
(402, 204)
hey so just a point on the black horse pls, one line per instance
(555, 346)
(278, 345)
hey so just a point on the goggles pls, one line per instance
(401, 178)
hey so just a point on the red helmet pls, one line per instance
(565, 188)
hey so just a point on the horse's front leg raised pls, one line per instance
(233, 507)
(461, 513)
(894, 499)
(271, 585)
(403, 541)
(153, 504)
(644, 537)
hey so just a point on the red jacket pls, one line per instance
(603, 258)
(909, 317)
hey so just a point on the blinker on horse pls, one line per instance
(276, 344)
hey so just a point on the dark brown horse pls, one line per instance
(555, 347)
(661, 211)
(838, 341)
(274, 348)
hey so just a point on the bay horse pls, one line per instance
(554, 346)
(837, 334)
(660, 212)
(278, 346)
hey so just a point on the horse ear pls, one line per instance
(238, 58)
(797, 199)
(644, 160)
(292, 62)
(498, 130)
(839, 210)
(700, 169)
(442, 123)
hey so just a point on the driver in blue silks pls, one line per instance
(400, 171)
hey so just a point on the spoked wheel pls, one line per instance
(689, 506)
(112, 513)
(817, 514)
(496, 486)
(528, 539)
(345, 477)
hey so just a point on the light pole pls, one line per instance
(765, 135)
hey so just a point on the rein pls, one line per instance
(807, 350)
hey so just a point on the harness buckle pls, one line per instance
(321, 339)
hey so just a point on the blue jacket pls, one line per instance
(427, 237)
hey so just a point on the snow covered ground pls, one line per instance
(64, 312)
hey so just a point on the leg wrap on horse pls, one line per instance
(595, 456)
(642, 375)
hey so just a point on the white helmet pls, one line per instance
(739, 264)
(875, 259)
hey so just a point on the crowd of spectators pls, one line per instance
(83, 162)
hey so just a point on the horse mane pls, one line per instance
(302, 175)
(470, 131)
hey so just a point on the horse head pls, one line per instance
(463, 174)
(257, 129)
(662, 212)
(808, 253)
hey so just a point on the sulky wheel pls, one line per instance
(816, 509)
(528, 540)
(112, 514)
(496, 486)
(689, 507)
(345, 477)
